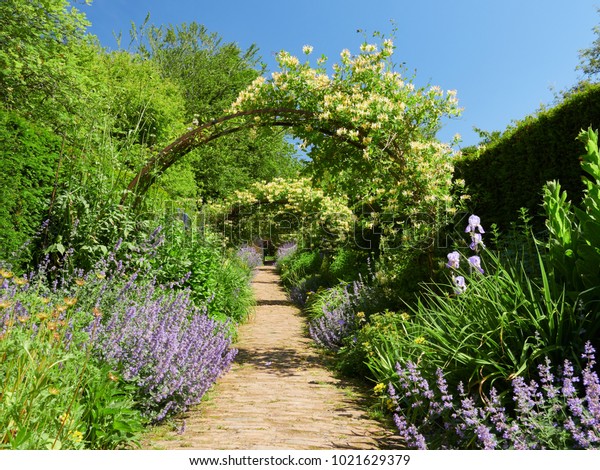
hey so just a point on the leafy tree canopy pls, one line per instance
(44, 54)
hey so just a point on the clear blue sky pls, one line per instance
(504, 57)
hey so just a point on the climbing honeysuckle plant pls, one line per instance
(283, 210)
(368, 130)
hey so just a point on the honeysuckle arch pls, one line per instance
(390, 159)
(225, 125)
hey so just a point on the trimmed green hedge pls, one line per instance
(511, 172)
(28, 159)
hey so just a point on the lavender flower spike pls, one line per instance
(474, 224)
(475, 262)
(453, 260)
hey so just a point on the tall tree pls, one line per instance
(211, 73)
(44, 52)
(589, 58)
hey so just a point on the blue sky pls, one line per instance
(504, 57)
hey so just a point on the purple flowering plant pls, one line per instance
(339, 317)
(250, 256)
(284, 251)
(557, 411)
(110, 338)
(475, 230)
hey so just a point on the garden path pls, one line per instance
(279, 393)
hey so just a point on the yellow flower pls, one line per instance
(45, 300)
(420, 340)
(5, 303)
(390, 404)
(70, 301)
(20, 281)
(405, 316)
(76, 436)
(96, 311)
(63, 418)
(113, 377)
(6, 274)
(100, 275)
(79, 282)
(53, 391)
(23, 319)
(379, 388)
(42, 316)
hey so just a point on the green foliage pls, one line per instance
(143, 106)
(348, 264)
(87, 219)
(496, 329)
(574, 234)
(210, 74)
(378, 346)
(589, 58)
(511, 172)
(109, 413)
(216, 277)
(300, 265)
(44, 57)
(29, 157)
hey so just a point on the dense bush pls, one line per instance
(301, 265)
(509, 173)
(28, 162)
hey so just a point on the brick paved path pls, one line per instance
(278, 394)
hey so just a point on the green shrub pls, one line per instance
(300, 265)
(376, 348)
(28, 161)
(574, 236)
(347, 265)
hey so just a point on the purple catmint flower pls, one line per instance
(453, 260)
(543, 416)
(285, 250)
(338, 320)
(474, 225)
(547, 379)
(442, 386)
(251, 256)
(475, 262)
(485, 437)
(170, 349)
(410, 433)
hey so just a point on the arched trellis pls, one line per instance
(225, 125)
